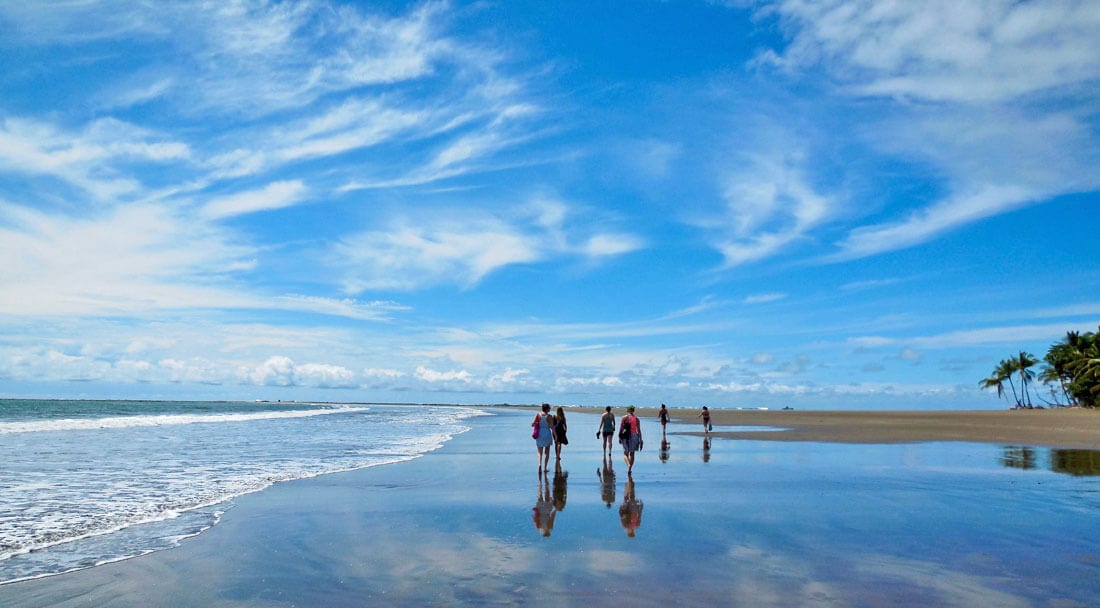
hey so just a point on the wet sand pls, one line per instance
(1063, 428)
(703, 522)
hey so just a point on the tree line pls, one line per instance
(1070, 370)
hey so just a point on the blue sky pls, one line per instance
(739, 204)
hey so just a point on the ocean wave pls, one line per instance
(124, 422)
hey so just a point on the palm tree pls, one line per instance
(1004, 371)
(994, 381)
(1024, 362)
(1074, 362)
(1084, 368)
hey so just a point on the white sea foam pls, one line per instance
(121, 422)
(105, 488)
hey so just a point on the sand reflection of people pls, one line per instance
(665, 447)
(706, 449)
(630, 512)
(607, 481)
(544, 512)
(630, 435)
(544, 423)
(561, 489)
(607, 429)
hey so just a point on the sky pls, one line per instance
(818, 205)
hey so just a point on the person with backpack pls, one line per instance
(630, 436)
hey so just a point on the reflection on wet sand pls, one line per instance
(607, 481)
(1020, 457)
(664, 450)
(1075, 462)
(560, 488)
(630, 512)
(706, 449)
(1078, 463)
(543, 514)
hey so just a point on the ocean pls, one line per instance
(90, 482)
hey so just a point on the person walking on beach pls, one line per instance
(559, 433)
(630, 435)
(607, 428)
(705, 415)
(663, 415)
(544, 435)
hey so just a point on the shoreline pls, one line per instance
(1070, 428)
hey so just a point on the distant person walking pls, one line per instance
(607, 429)
(630, 435)
(543, 432)
(663, 416)
(705, 415)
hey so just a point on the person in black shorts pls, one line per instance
(607, 429)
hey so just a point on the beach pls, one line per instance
(856, 520)
(1063, 427)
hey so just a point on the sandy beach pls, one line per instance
(702, 522)
(1065, 427)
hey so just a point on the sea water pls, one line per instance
(89, 482)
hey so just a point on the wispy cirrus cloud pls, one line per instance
(964, 87)
(770, 205)
(93, 159)
(275, 195)
(462, 248)
(976, 52)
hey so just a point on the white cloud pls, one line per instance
(343, 307)
(409, 257)
(763, 358)
(433, 376)
(602, 245)
(764, 298)
(324, 375)
(509, 379)
(990, 336)
(275, 195)
(275, 371)
(461, 249)
(60, 265)
(981, 51)
(388, 374)
(770, 206)
(925, 224)
(91, 159)
(983, 73)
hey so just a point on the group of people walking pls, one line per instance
(549, 429)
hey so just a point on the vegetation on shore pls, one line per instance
(1070, 370)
